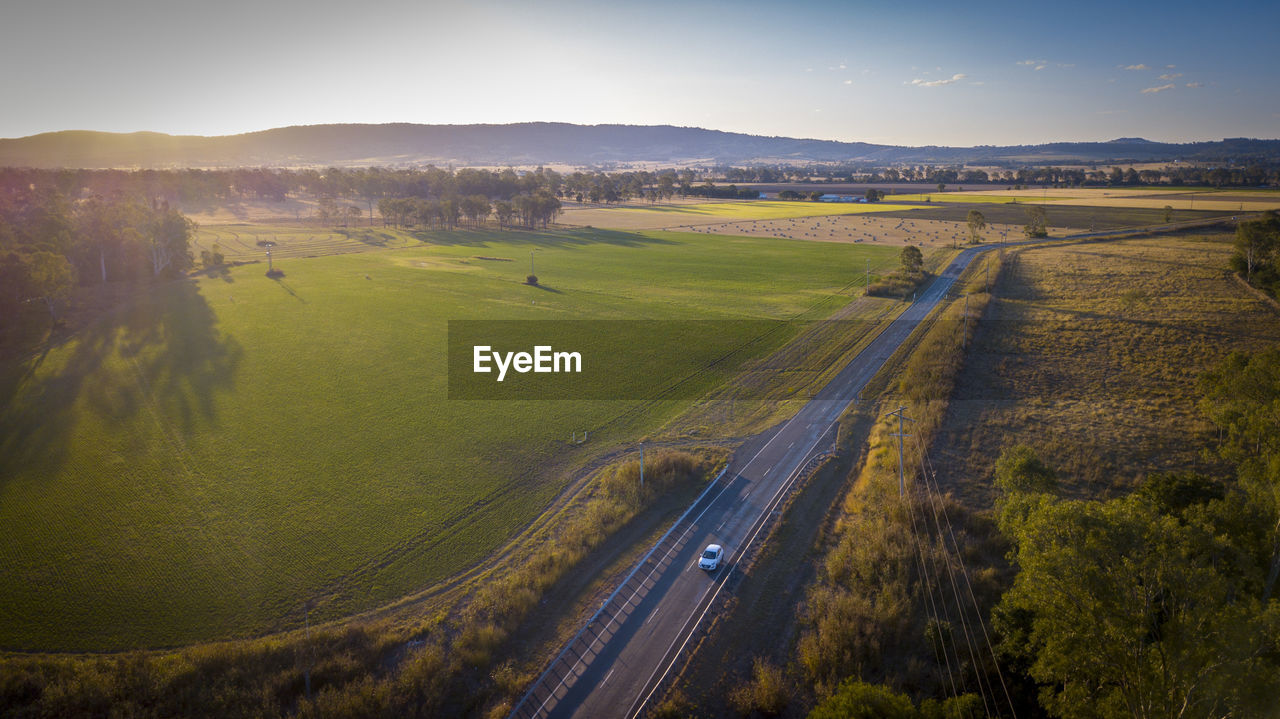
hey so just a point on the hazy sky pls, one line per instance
(954, 73)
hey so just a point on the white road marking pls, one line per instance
(606, 677)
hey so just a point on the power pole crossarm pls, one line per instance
(902, 484)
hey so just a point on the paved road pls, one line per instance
(615, 663)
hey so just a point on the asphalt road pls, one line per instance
(614, 665)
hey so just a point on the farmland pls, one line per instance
(683, 215)
(1090, 353)
(200, 463)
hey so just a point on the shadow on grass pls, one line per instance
(161, 353)
(544, 288)
(555, 237)
(284, 286)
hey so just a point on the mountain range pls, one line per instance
(549, 143)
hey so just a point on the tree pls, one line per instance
(1037, 222)
(1256, 242)
(1168, 212)
(170, 239)
(912, 259)
(476, 208)
(874, 195)
(977, 223)
(504, 211)
(1241, 397)
(50, 277)
(1125, 610)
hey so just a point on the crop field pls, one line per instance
(203, 462)
(1091, 354)
(684, 216)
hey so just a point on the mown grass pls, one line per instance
(238, 242)
(203, 462)
(1091, 354)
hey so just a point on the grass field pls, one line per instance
(676, 216)
(238, 242)
(201, 463)
(1091, 353)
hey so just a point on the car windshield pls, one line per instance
(709, 554)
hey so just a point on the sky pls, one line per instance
(955, 73)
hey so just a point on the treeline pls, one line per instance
(535, 210)
(1253, 175)
(1257, 247)
(370, 184)
(50, 243)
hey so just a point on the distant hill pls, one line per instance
(533, 143)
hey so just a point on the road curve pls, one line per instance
(615, 663)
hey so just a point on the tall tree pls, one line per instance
(1037, 222)
(1256, 242)
(912, 259)
(977, 223)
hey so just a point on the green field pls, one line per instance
(200, 463)
(239, 242)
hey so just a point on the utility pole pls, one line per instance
(986, 274)
(307, 673)
(531, 263)
(966, 316)
(902, 484)
(868, 273)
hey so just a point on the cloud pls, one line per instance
(1160, 88)
(848, 82)
(1032, 62)
(1066, 64)
(842, 66)
(1171, 76)
(1170, 67)
(1040, 67)
(1195, 84)
(919, 82)
(1139, 66)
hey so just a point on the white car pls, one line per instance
(711, 557)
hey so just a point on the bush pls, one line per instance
(531, 280)
(766, 693)
(275, 274)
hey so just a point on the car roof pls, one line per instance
(713, 547)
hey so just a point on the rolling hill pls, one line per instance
(532, 143)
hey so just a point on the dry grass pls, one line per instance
(903, 229)
(1090, 354)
